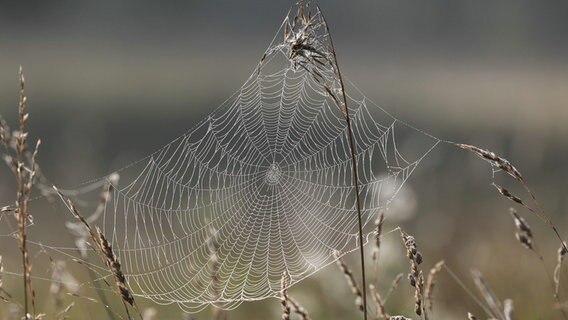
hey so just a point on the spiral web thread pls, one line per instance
(263, 186)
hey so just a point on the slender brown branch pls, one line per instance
(345, 110)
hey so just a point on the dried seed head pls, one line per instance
(350, 280)
(494, 160)
(431, 283)
(562, 252)
(115, 267)
(520, 223)
(508, 194)
(418, 294)
(524, 240)
(524, 233)
(284, 297)
(414, 256)
(378, 232)
(418, 257)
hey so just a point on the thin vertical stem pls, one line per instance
(23, 193)
(343, 106)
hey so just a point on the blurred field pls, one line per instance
(108, 84)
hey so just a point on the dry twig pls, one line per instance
(431, 283)
(350, 280)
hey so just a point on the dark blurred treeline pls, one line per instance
(502, 24)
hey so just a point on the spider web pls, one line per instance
(263, 186)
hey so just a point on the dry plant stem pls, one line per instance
(61, 315)
(350, 280)
(100, 293)
(416, 277)
(558, 270)
(95, 301)
(394, 284)
(381, 312)
(466, 289)
(114, 265)
(284, 300)
(525, 236)
(25, 178)
(345, 110)
(104, 249)
(505, 165)
(488, 294)
(298, 309)
(431, 283)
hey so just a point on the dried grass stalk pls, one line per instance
(415, 277)
(504, 164)
(394, 284)
(25, 170)
(350, 280)
(378, 232)
(488, 295)
(114, 265)
(431, 283)
(104, 249)
(494, 160)
(419, 296)
(306, 54)
(77, 229)
(299, 309)
(63, 314)
(524, 232)
(284, 300)
(558, 269)
(381, 311)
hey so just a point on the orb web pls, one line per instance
(263, 186)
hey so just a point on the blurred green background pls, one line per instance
(111, 81)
